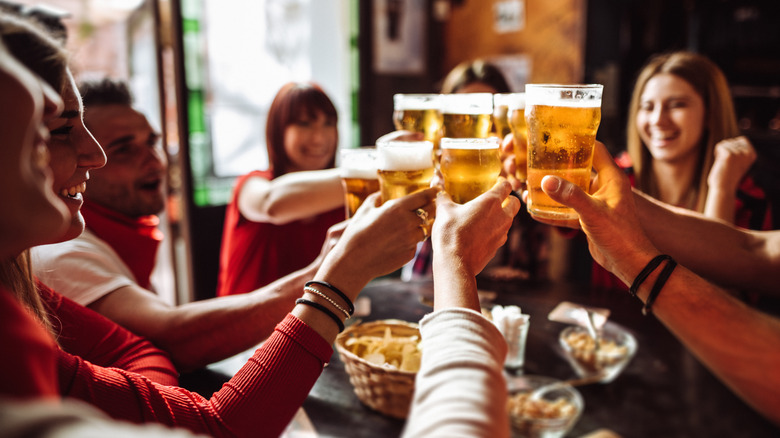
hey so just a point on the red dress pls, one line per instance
(752, 211)
(254, 254)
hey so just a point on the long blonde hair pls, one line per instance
(16, 275)
(720, 121)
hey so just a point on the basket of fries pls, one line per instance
(382, 359)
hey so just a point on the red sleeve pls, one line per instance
(27, 352)
(260, 400)
(85, 333)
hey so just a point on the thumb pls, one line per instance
(565, 192)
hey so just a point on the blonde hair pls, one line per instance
(16, 275)
(720, 121)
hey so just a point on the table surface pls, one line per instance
(663, 392)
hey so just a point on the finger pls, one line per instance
(567, 193)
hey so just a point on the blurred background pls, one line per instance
(205, 71)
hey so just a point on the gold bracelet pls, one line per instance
(327, 298)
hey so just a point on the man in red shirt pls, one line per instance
(108, 268)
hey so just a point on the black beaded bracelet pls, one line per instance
(649, 268)
(324, 310)
(659, 283)
(341, 294)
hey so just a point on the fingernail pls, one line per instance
(551, 183)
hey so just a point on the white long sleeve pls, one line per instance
(460, 390)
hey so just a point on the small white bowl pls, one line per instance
(616, 349)
(549, 412)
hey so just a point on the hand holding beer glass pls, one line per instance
(358, 175)
(406, 167)
(469, 166)
(562, 123)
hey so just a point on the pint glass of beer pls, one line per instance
(469, 166)
(501, 113)
(516, 117)
(562, 123)
(467, 115)
(419, 113)
(358, 175)
(404, 167)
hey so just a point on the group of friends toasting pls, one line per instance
(87, 342)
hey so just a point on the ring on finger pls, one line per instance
(423, 215)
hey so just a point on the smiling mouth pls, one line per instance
(151, 185)
(74, 191)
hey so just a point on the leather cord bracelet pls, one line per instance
(341, 294)
(659, 283)
(324, 310)
(649, 268)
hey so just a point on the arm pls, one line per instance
(460, 389)
(737, 343)
(729, 256)
(291, 197)
(733, 158)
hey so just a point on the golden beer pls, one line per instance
(404, 168)
(359, 176)
(467, 115)
(520, 138)
(501, 109)
(562, 123)
(470, 167)
(419, 113)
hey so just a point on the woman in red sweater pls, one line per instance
(264, 395)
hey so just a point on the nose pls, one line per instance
(91, 154)
(659, 115)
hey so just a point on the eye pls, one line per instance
(646, 106)
(62, 131)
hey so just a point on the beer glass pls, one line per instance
(469, 166)
(501, 114)
(467, 115)
(358, 175)
(562, 123)
(404, 167)
(419, 113)
(516, 117)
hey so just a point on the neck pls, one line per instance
(675, 182)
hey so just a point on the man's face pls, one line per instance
(132, 181)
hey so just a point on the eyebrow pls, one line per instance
(120, 140)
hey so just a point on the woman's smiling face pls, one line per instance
(74, 152)
(670, 119)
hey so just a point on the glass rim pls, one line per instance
(467, 103)
(416, 101)
(470, 143)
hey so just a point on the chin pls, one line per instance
(75, 228)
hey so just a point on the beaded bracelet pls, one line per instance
(324, 310)
(341, 294)
(659, 283)
(328, 299)
(649, 268)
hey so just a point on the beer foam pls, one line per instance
(467, 103)
(574, 96)
(512, 101)
(470, 143)
(416, 101)
(359, 172)
(405, 155)
(359, 163)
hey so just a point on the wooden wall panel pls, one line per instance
(553, 37)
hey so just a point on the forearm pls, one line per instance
(453, 286)
(737, 343)
(720, 204)
(729, 256)
(300, 195)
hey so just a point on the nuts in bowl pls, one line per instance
(542, 407)
(601, 359)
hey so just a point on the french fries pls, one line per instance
(395, 352)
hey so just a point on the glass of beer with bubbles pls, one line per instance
(358, 175)
(467, 115)
(501, 114)
(469, 166)
(562, 123)
(404, 167)
(419, 113)
(516, 117)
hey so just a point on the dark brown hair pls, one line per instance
(293, 102)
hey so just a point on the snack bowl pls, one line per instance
(384, 384)
(542, 407)
(616, 347)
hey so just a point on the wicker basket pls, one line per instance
(385, 390)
